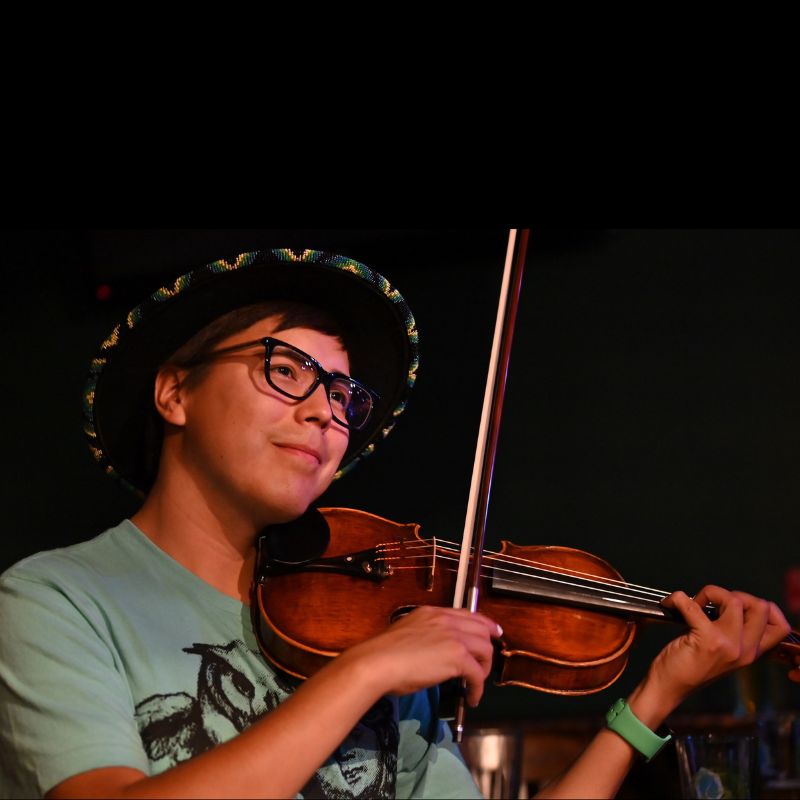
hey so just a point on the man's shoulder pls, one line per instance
(102, 555)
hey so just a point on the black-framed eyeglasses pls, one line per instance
(296, 374)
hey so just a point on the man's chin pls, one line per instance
(293, 502)
(289, 509)
(287, 515)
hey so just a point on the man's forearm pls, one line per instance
(600, 769)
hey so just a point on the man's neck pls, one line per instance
(215, 544)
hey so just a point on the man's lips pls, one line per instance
(303, 448)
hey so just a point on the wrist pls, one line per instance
(366, 669)
(651, 704)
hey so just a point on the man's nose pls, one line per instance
(317, 406)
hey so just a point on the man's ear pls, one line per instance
(170, 394)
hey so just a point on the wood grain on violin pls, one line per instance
(568, 618)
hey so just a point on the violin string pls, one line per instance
(792, 638)
(591, 589)
(577, 573)
(589, 577)
(504, 558)
(517, 572)
(645, 600)
(599, 587)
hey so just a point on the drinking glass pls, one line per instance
(715, 766)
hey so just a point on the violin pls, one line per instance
(337, 576)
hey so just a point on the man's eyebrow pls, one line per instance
(234, 347)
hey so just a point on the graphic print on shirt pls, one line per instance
(176, 727)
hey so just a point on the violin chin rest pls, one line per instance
(298, 542)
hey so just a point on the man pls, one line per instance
(129, 667)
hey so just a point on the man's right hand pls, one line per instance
(429, 646)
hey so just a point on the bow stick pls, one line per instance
(477, 507)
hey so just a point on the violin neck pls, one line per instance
(787, 651)
(593, 595)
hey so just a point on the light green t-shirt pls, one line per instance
(113, 654)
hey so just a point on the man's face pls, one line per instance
(248, 445)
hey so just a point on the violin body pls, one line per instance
(306, 617)
(568, 622)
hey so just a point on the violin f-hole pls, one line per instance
(401, 612)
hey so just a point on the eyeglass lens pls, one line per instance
(294, 375)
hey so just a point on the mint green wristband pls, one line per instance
(621, 720)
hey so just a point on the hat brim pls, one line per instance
(378, 325)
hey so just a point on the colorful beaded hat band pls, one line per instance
(379, 328)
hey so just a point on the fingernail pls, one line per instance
(499, 630)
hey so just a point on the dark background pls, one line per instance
(652, 415)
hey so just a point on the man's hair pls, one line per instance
(191, 355)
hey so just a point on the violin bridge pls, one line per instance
(433, 567)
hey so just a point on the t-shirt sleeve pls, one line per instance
(65, 706)
(429, 763)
